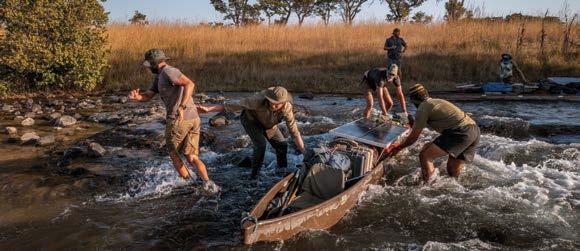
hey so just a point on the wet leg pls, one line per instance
(369, 107)
(279, 144)
(454, 166)
(429, 152)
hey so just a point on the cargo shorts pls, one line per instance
(183, 136)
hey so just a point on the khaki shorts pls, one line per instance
(183, 135)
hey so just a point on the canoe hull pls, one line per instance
(321, 216)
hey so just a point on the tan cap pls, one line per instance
(393, 69)
(277, 94)
(417, 89)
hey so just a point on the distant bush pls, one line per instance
(56, 44)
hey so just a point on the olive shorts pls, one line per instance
(183, 136)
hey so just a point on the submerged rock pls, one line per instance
(515, 128)
(36, 108)
(307, 95)
(95, 150)
(65, 121)
(7, 108)
(47, 140)
(218, 121)
(27, 122)
(29, 138)
(54, 116)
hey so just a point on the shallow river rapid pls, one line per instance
(520, 193)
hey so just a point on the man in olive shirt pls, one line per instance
(260, 117)
(459, 133)
(183, 124)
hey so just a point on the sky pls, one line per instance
(195, 11)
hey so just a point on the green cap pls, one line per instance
(153, 57)
(277, 94)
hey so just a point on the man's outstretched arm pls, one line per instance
(141, 97)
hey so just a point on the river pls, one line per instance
(521, 192)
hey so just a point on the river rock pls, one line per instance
(307, 95)
(123, 100)
(54, 116)
(78, 116)
(29, 102)
(202, 97)
(29, 138)
(515, 128)
(65, 121)
(36, 108)
(30, 115)
(27, 122)
(7, 108)
(17, 105)
(17, 113)
(46, 140)
(54, 102)
(11, 130)
(96, 150)
(218, 121)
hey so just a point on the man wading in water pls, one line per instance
(459, 133)
(377, 80)
(183, 123)
(260, 117)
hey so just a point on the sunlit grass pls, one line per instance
(330, 59)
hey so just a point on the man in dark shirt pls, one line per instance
(395, 46)
(377, 80)
(183, 123)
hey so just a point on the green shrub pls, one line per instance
(53, 44)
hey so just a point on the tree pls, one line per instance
(270, 8)
(139, 18)
(455, 10)
(421, 17)
(240, 12)
(324, 9)
(281, 8)
(400, 9)
(348, 9)
(303, 9)
(53, 44)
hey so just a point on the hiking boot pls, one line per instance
(210, 187)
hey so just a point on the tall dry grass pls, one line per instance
(331, 59)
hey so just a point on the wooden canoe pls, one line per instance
(321, 216)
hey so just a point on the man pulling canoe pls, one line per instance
(376, 80)
(459, 133)
(260, 116)
(183, 123)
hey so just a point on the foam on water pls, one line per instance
(155, 181)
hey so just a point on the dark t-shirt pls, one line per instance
(395, 53)
(171, 94)
(377, 77)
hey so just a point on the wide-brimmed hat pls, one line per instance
(277, 95)
(153, 57)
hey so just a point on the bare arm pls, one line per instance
(381, 100)
(401, 97)
(411, 139)
(141, 97)
(210, 108)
